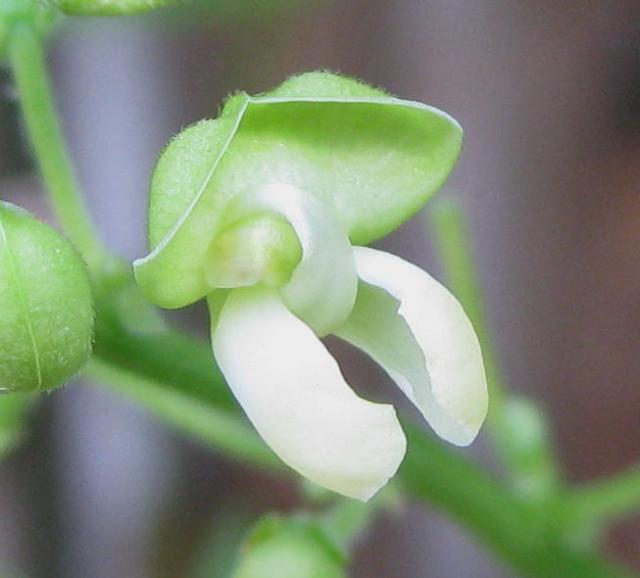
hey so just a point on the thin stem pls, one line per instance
(13, 407)
(499, 519)
(454, 247)
(218, 427)
(522, 444)
(518, 429)
(36, 99)
(222, 546)
(345, 521)
(604, 499)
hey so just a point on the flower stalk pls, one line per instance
(27, 62)
(506, 417)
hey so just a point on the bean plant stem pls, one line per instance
(453, 245)
(27, 61)
(217, 427)
(605, 499)
(346, 520)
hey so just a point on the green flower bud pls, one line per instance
(279, 548)
(45, 305)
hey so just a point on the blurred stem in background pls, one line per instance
(450, 232)
(452, 240)
(27, 61)
(12, 416)
(175, 378)
(600, 501)
(518, 428)
(220, 428)
(219, 556)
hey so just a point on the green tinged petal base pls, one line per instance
(257, 249)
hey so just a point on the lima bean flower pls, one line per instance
(266, 212)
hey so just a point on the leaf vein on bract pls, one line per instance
(202, 188)
(23, 301)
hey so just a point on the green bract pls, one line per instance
(371, 159)
(45, 305)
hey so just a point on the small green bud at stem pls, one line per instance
(45, 305)
(288, 548)
(261, 248)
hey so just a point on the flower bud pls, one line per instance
(291, 548)
(45, 305)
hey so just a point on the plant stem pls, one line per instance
(604, 499)
(36, 99)
(450, 232)
(512, 442)
(13, 407)
(345, 521)
(495, 515)
(217, 427)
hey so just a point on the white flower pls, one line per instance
(265, 340)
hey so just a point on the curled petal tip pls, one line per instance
(419, 333)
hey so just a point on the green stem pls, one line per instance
(495, 515)
(605, 499)
(453, 245)
(13, 407)
(345, 521)
(220, 428)
(514, 444)
(36, 99)
(220, 554)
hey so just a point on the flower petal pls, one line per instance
(418, 332)
(323, 286)
(295, 396)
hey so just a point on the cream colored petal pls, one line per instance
(294, 394)
(419, 333)
(322, 288)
